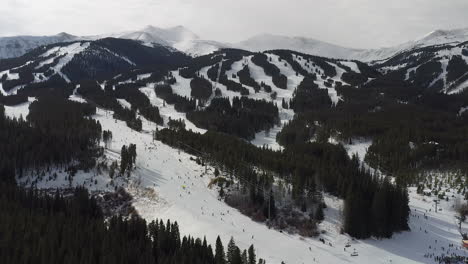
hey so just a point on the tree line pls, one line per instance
(244, 117)
(55, 133)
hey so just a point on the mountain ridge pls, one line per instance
(184, 40)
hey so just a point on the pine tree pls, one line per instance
(123, 159)
(319, 216)
(284, 104)
(231, 251)
(244, 257)
(132, 153)
(380, 212)
(252, 256)
(272, 205)
(220, 257)
(237, 257)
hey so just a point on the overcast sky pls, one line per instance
(351, 23)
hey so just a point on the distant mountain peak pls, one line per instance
(445, 32)
(65, 35)
(171, 34)
(442, 36)
(178, 37)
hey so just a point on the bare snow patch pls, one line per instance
(21, 110)
(352, 65)
(182, 85)
(358, 147)
(124, 103)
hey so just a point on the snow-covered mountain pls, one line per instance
(18, 45)
(306, 45)
(438, 37)
(320, 48)
(164, 36)
(434, 38)
(179, 38)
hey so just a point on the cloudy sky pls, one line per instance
(351, 23)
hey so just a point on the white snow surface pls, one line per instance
(351, 64)
(358, 147)
(124, 103)
(21, 110)
(182, 86)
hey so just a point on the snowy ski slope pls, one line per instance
(167, 184)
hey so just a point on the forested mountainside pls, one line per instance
(269, 132)
(440, 68)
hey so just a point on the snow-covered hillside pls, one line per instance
(18, 45)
